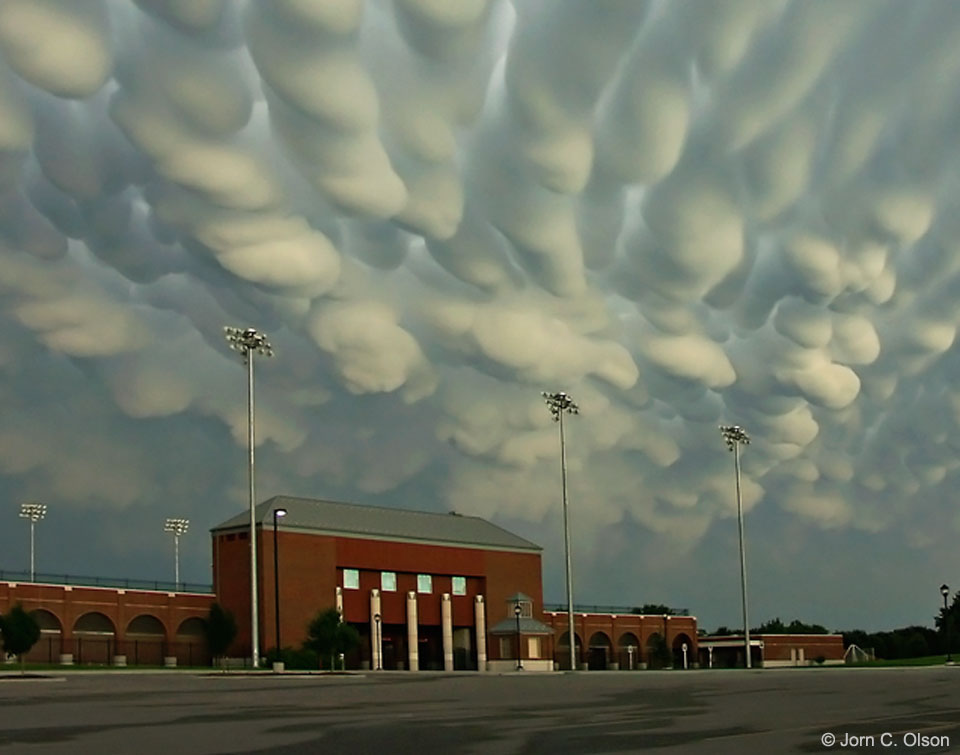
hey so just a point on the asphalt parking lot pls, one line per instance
(768, 711)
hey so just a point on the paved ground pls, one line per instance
(766, 711)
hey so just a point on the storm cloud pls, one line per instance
(682, 213)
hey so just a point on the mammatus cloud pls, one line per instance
(682, 213)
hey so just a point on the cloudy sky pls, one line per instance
(683, 213)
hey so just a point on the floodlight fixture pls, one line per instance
(35, 512)
(735, 436)
(177, 526)
(250, 341)
(561, 403)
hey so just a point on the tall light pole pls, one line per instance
(249, 342)
(379, 641)
(560, 404)
(945, 592)
(735, 436)
(277, 515)
(516, 612)
(34, 512)
(178, 527)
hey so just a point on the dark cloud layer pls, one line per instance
(683, 213)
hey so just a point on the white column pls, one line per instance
(340, 602)
(413, 636)
(375, 631)
(446, 620)
(479, 614)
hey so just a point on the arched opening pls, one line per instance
(94, 639)
(146, 625)
(683, 651)
(47, 648)
(657, 652)
(629, 651)
(145, 641)
(599, 651)
(563, 649)
(191, 644)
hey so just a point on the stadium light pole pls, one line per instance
(178, 527)
(735, 436)
(249, 342)
(945, 592)
(277, 515)
(34, 512)
(559, 404)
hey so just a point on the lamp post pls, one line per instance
(379, 647)
(945, 592)
(734, 436)
(559, 404)
(516, 613)
(248, 342)
(34, 512)
(277, 515)
(178, 527)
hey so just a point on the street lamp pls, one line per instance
(379, 646)
(559, 404)
(945, 592)
(178, 527)
(34, 512)
(516, 613)
(248, 342)
(734, 436)
(277, 515)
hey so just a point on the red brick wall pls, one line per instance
(776, 647)
(311, 568)
(615, 626)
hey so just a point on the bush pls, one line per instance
(19, 631)
(328, 636)
(220, 628)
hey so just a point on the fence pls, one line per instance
(23, 577)
(102, 651)
(618, 610)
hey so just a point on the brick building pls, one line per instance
(425, 591)
(772, 650)
(436, 581)
(112, 625)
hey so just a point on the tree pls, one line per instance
(20, 632)
(776, 626)
(653, 609)
(658, 652)
(328, 636)
(220, 628)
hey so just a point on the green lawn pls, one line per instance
(927, 660)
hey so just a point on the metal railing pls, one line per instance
(118, 583)
(619, 610)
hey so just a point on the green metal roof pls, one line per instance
(381, 523)
(527, 626)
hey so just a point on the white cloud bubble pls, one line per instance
(682, 215)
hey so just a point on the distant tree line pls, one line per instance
(905, 642)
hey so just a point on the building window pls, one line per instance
(533, 647)
(351, 579)
(506, 648)
(459, 585)
(424, 583)
(388, 581)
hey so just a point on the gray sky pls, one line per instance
(682, 213)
